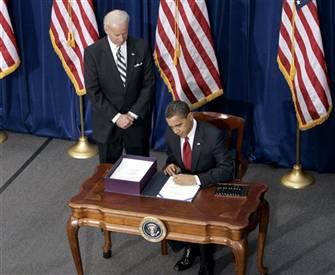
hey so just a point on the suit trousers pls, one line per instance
(205, 250)
(111, 151)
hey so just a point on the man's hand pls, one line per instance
(124, 121)
(184, 179)
(171, 169)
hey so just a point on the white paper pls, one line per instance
(174, 191)
(131, 169)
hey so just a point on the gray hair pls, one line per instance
(177, 108)
(116, 17)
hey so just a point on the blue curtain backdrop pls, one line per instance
(38, 98)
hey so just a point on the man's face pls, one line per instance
(118, 33)
(180, 126)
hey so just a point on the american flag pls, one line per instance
(73, 27)
(9, 57)
(302, 62)
(184, 52)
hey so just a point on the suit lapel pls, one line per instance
(197, 143)
(176, 149)
(109, 56)
(110, 62)
(131, 57)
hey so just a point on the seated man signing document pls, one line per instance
(196, 155)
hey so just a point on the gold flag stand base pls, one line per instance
(83, 149)
(3, 136)
(297, 178)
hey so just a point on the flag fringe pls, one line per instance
(206, 99)
(193, 106)
(162, 74)
(10, 69)
(316, 122)
(289, 79)
(79, 92)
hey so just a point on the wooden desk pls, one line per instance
(207, 219)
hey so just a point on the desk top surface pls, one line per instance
(204, 209)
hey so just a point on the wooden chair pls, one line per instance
(230, 124)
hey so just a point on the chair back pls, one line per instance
(230, 124)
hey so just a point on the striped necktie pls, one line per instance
(121, 65)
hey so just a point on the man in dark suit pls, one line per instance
(119, 79)
(196, 156)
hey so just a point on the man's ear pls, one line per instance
(106, 29)
(190, 115)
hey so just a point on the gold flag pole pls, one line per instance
(297, 178)
(82, 149)
(3, 136)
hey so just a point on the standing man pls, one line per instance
(119, 79)
(196, 156)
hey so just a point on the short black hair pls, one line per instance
(177, 107)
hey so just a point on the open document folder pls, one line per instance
(131, 169)
(174, 191)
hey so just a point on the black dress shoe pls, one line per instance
(205, 270)
(188, 258)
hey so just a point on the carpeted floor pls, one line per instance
(38, 178)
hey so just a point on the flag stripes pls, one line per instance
(184, 52)
(302, 62)
(9, 57)
(73, 27)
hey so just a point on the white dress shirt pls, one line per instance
(123, 49)
(190, 136)
(115, 47)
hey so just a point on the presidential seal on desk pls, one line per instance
(152, 229)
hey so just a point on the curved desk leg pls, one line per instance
(107, 252)
(164, 247)
(72, 234)
(263, 226)
(240, 250)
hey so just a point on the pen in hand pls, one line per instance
(172, 170)
(176, 171)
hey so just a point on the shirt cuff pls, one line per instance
(116, 117)
(197, 180)
(133, 115)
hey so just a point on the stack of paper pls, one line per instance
(174, 191)
(131, 169)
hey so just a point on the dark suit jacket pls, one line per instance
(109, 97)
(211, 160)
